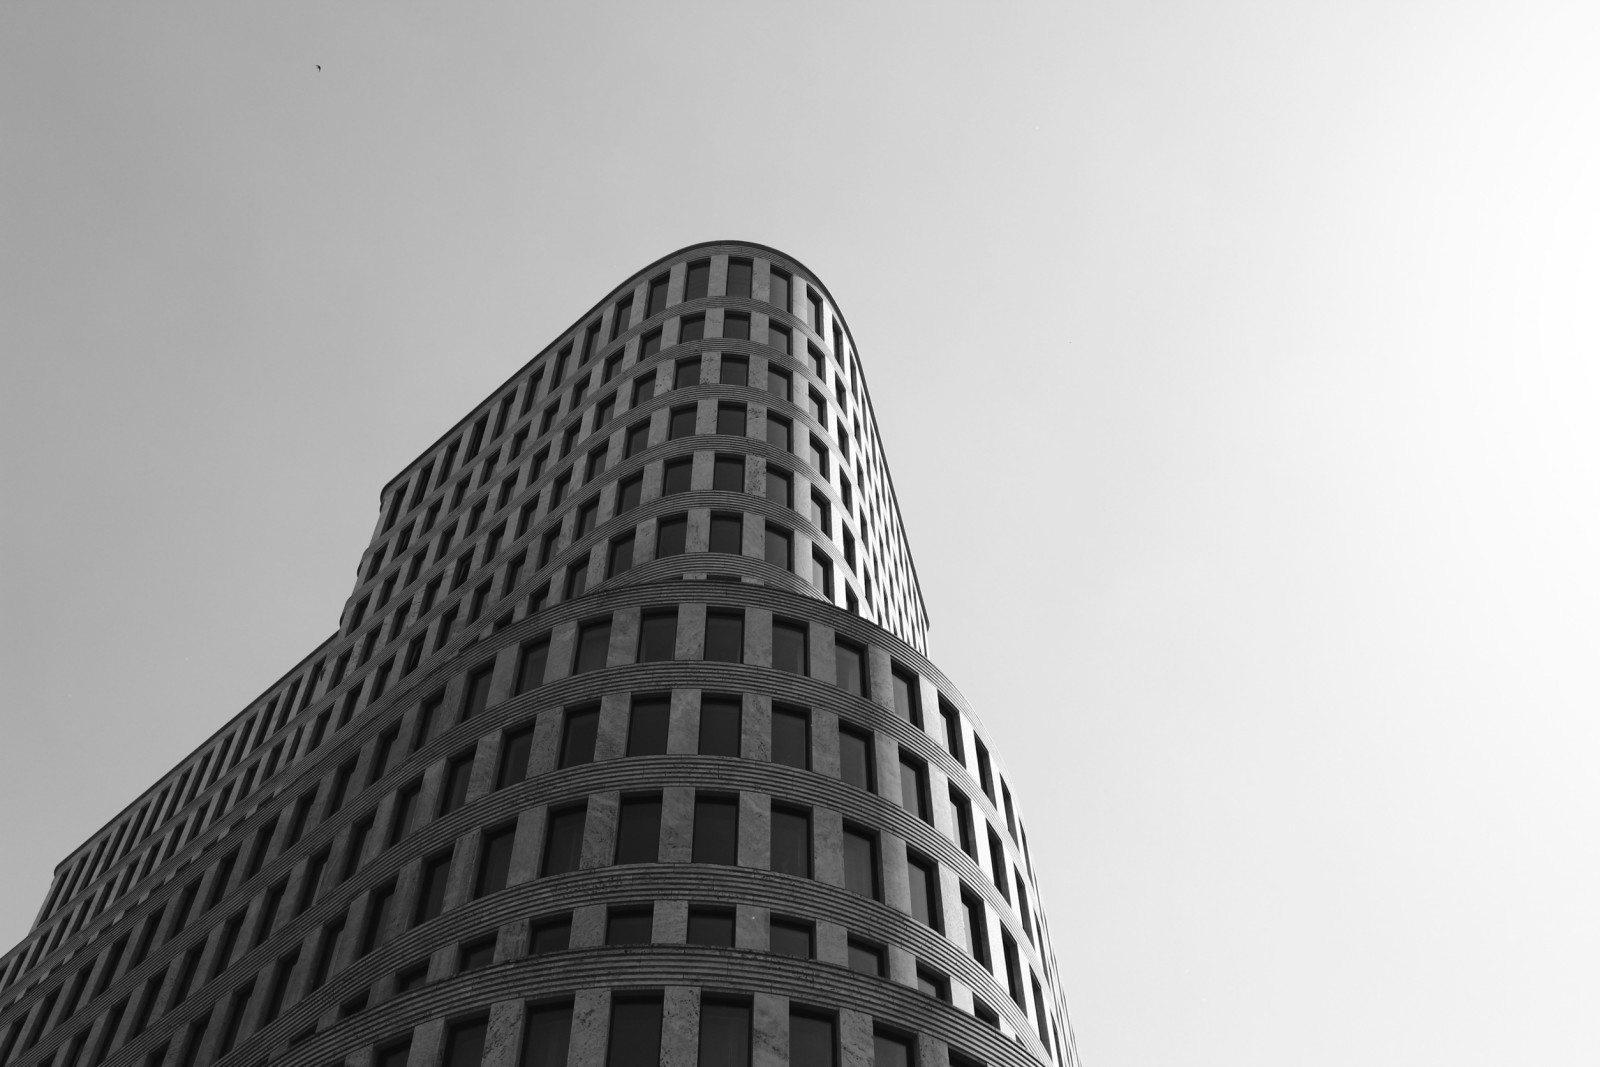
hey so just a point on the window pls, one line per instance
(637, 440)
(644, 388)
(395, 1054)
(716, 830)
(721, 725)
(697, 280)
(622, 318)
(628, 926)
(779, 282)
(780, 432)
(494, 860)
(735, 370)
(457, 780)
(1022, 903)
(546, 1035)
(791, 840)
(727, 534)
(780, 486)
(359, 834)
(577, 579)
(907, 700)
(477, 695)
(563, 843)
(550, 935)
(463, 1046)
(1011, 815)
(952, 730)
(821, 572)
(736, 326)
(413, 977)
(818, 367)
(924, 878)
(379, 911)
(985, 773)
(977, 926)
(629, 492)
(819, 455)
(934, 984)
(593, 467)
(727, 474)
(594, 639)
(658, 636)
(681, 424)
(789, 646)
(725, 636)
(1039, 1014)
(691, 328)
(635, 1039)
(779, 547)
(914, 787)
(739, 271)
(962, 807)
(814, 310)
(648, 721)
(997, 864)
(639, 829)
(791, 937)
(780, 338)
(866, 957)
(813, 1039)
(531, 664)
(676, 475)
(817, 406)
(232, 1024)
(672, 536)
(475, 955)
(619, 557)
(405, 812)
(855, 757)
(985, 1014)
(724, 1031)
(686, 373)
(649, 344)
(656, 302)
(578, 734)
(791, 737)
(890, 1050)
(731, 420)
(431, 890)
(861, 862)
(1008, 945)
(711, 926)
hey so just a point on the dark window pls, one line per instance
(855, 757)
(985, 773)
(731, 420)
(725, 636)
(620, 555)
(394, 1055)
(780, 288)
(276, 993)
(1013, 970)
(924, 877)
(594, 639)
(780, 432)
(577, 579)
(817, 404)
(588, 516)
(405, 812)
(232, 1023)
(962, 807)
(907, 700)
(977, 926)
(791, 937)
(477, 697)
(934, 984)
(866, 957)
(725, 1032)
(359, 833)
(628, 926)
(779, 546)
(638, 439)
(531, 664)
(814, 310)
(716, 830)
(494, 860)
(711, 926)
(720, 725)
(813, 1040)
(672, 536)
(727, 534)
(650, 344)
(736, 326)
(639, 829)
(622, 317)
(791, 737)
(850, 662)
(658, 636)
(1039, 1015)
(997, 864)
(635, 1039)
(739, 271)
(676, 476)
(914, 787)
(644, 388)
(681, 424)
(791, 840)
(861, 862)
(952, 730)
(1011, 815)
(789, 646)
(546, 1036)
(647, 726)
(780, 338)
(889, 1050)
(697, 280)
(463, 1045)
(475, 955)
(629, 492)
(780, 486)
(727, 474)
(412, 977)
(735, 370)
(431, 889)
(457, 779)
(551, 935)
(515, 749)
(379, 911)
(563, 843)
(691, 328)
(656, 302)
(578, 733)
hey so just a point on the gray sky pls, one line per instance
(1236, 364)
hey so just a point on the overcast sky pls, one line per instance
(1238, 365)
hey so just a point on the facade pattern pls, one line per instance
(626, 751)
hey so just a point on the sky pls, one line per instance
(1238, 366)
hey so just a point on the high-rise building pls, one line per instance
(626, 752)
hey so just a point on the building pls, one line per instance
(626, 752)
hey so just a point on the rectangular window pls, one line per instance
(907, 700)
(736, 326)
(861, 862)
(431, 889)
(1013, 970)
(935, 985)
(855, 757)
(639, 829)
(494, 860)
(546, 1035)
(725, 636)
(780, 432)
(577, 579)
(716, 830)
(457, 780)
(656, 302)
(647, 725)
(379, 912)
(891, 1050)
(817, 405)
(629, 492)
(724, 1032)
(637, 440)
(649, 345)
(628, 926)
(985, 773)
(531, 664)
(721, 725)
(563, 843)
(727, 534)
(952, 730)
(477, 693)
(819, 455)
(622, 318)
(866, 957)
(822, 573)
(676, 476)
(658, 636)
(813, 1039)
(712, 927)
(780, 289)
(739, 276)
(962, 807)
(924, 878)
(515, 749)
(405, 816)
(681, 424)
(463, 1045)
(644, 389)
(672, 536)
(578, 733)
(977, 927)
(791, 937)
(780, 383)
(789, 646)
(691, 328)
(635, 1039)
(1011, 815)
(619, 557)
(780, 486)
(997, 864)
(475, 955)
(914, 787)
(735, 370)
(814, 310)
(780, 338)
(394, 1054)
(551, 935)
(594, 466)
(791, 737)
(727, 474)
(594, 639)
(779, 547)
(697, 280)
(731, 420)
(791, 840)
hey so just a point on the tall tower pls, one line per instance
(626, 753)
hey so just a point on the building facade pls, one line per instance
(626, 752)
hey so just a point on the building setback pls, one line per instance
(626, 752)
